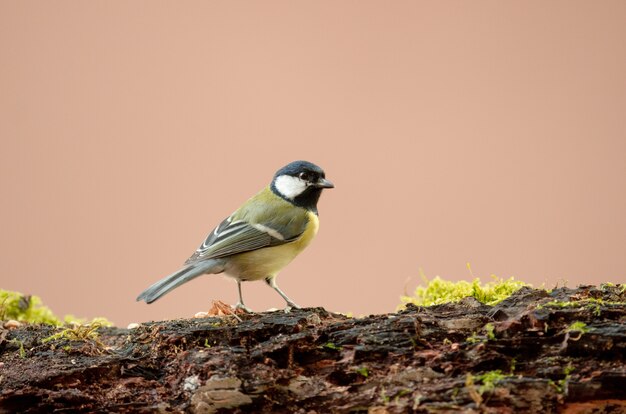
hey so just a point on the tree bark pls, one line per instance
(527, 354)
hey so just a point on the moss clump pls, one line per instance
(363, 371)
(593, 304)
(561, 385)
(21, 350)
(332, 346)
(30, 309)
(438, 291)
(578, 326)
(490, 329)
(88, 332)
(99, 320)
(78, 338)
(14, 305)
(489, 380)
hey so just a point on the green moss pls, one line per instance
(77, 338)
(562, 384)
(438, 291)
(384, 397)
(475, 338)
(362, 371)
(593, 304)
(88, 332)
(489, 328)
(14, 305)
(489, 380)
(330, 345)
(21, 351)
(607, 286)
(578, 326)
(73, 320)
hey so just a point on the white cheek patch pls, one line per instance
(290, 187)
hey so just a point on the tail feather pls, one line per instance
(176, 279)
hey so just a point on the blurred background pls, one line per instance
(486, 132)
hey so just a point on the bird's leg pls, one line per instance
(271, 281)
(240, 304)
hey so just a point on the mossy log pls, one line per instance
(536, 352)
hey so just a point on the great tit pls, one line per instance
(266, 233)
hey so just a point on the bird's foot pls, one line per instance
(243, 307)
(290, 306)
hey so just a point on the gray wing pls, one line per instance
(237, 236)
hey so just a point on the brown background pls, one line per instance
(485, 132)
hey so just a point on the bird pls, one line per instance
(261, 237)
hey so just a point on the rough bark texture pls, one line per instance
(422, 360)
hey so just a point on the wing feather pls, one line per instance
(233, 237)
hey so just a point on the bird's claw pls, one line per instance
(243, 307)
(290, 306)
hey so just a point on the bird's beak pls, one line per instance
(324, 183)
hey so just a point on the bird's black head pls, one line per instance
(300, 183)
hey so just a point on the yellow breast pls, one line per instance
(267, 262)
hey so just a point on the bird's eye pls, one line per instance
(304, 176)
